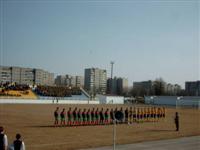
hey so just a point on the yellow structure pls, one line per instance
(28, 94)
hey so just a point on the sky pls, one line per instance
(146, 39)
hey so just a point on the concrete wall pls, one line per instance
(104, 99)
(33, 101)
(115, 100)
(173, 100)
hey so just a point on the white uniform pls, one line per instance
(11, 147)
(5, 140)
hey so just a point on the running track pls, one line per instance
(185, 143)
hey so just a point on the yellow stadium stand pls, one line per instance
(28, 94)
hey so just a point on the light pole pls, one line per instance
(111, 84)
(118, 116)
(114, 133)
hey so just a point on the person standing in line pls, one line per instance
(79, 117)
(92, 116)
(101, 116)
(130, 113)
(62, 117)
(148, 114)
(106, 116)
(126, 115)
(134, 115)
(18, 143)
(84, 116)
(88, 114)
(3, 139)
(176, 120)
(145, 114)
(69, 116)
(158, 113)
(138, 115)
(141, 114)
(115, 111)
(111, 116)
(56, 113)
(163, 112)
(75, 116)
(121, 110)
(97, 116)
(152, 114)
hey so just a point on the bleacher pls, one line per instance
(54, 91)
(16, 91)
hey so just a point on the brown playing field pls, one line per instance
(35, 122)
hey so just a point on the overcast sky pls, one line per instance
(145, 39)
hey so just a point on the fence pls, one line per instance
(39, 101)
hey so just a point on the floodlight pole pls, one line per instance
(112, 63)
(111, 83)
(114, 134)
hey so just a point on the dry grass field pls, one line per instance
(35, 122)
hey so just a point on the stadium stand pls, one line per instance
(16, 91)
(55, 91)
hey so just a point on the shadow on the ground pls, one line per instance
(52, 126)
(73, 126)
(160, 130)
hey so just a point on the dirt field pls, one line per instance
(35, 122)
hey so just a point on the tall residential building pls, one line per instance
(112, 86)
(79, 81)
(30, 76)
(143, 87)
(60, 80)
(70, 81)
(27, 76)
(95, 80)
(117, 86)
(148, 85)
(6, 74)
(192, 88)
(122, 85)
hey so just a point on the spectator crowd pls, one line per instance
(55, 91)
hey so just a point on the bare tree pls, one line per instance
(159, 86)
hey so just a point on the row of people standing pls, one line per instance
(144, 114)
(79, 117)
(96, 116)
